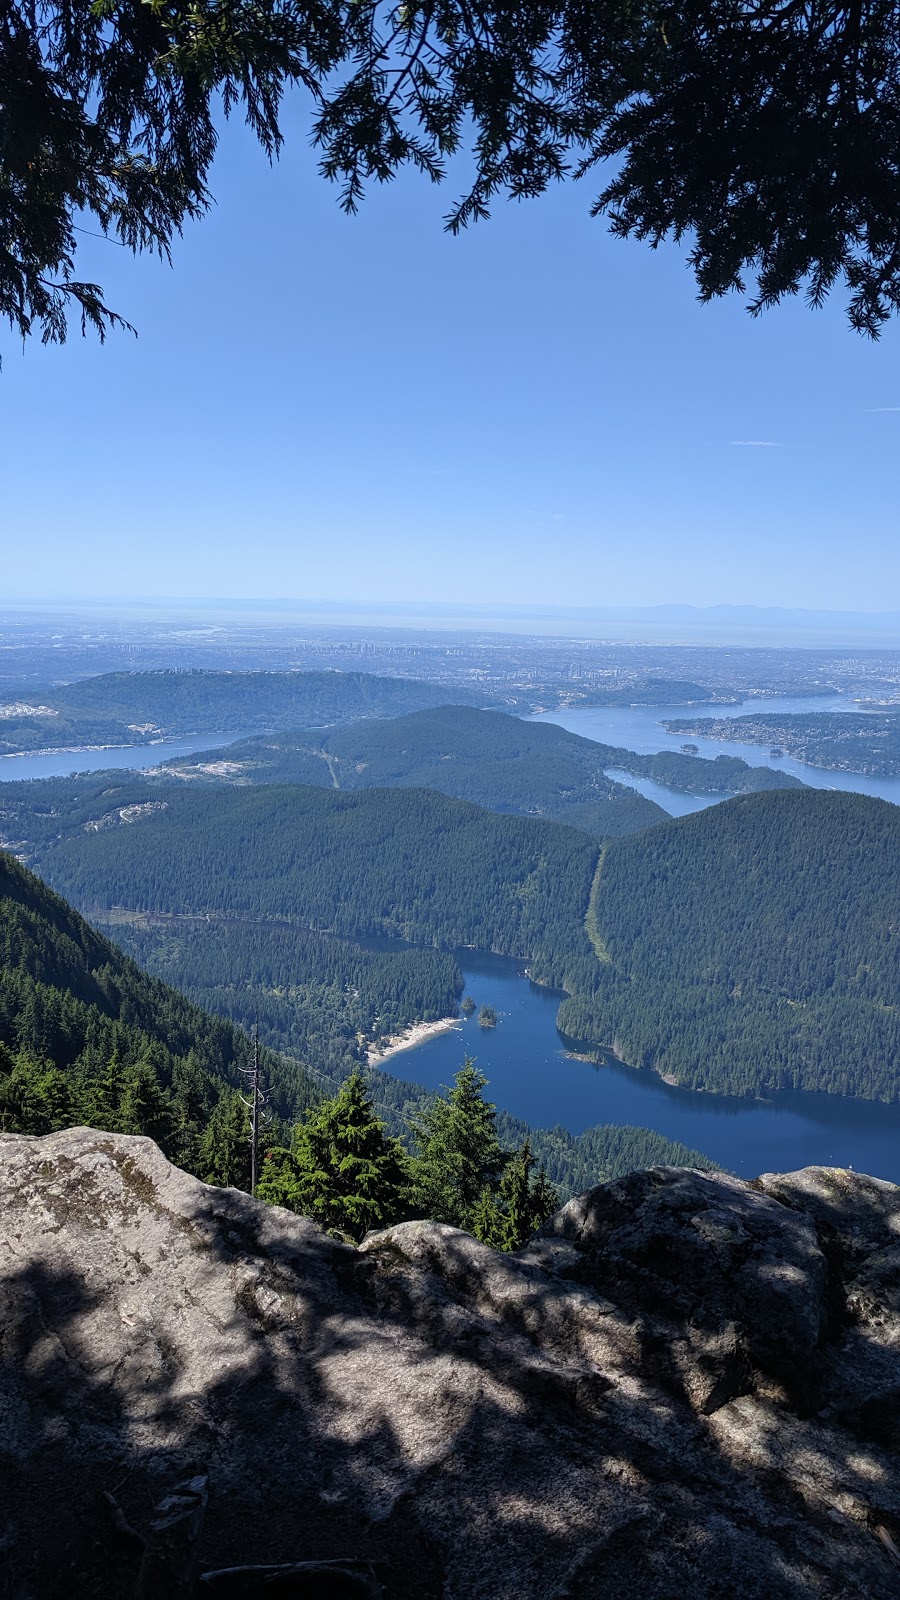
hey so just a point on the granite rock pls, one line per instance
(686, 1385)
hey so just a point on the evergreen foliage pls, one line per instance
(85, 1036)
(752, 947)
(113, 707)
(341, 1169)
(503, 762)
(322, 1000)
(709, 123)
(526, 1199)
(403, 863)
(344, 1172)
(458, 1153)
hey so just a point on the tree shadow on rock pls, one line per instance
(477, 1426)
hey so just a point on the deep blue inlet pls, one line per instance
(532, 1076)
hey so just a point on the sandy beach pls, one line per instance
(409, 1038)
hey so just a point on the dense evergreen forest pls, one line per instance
(87, 1037)
(841, 741)
(727, 775)
(652, 692)
(136, 707)
(403, 863)
(744, 949)
(322, 999)
(495, 760)
(752, 947)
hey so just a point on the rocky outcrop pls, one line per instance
(685, 1386)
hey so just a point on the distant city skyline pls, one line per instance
(532, 414)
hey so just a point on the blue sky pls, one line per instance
(369, 409)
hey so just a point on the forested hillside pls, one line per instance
(136, 707)
(322, 999)
(723, 774)
(752, 947)
(746, 948)
(406, 863)
(495, 760)
(86, 1036)
(841, 741)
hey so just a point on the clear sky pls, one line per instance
(369, 409)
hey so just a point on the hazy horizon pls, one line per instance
(671, 623)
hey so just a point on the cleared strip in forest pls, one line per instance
(329, 762)
(591, 925)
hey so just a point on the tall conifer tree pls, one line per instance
(460, 1154)
(343, 1170)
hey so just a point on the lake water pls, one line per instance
(63, 763)
(524, 1057)
(640, 728)
(532, 1077)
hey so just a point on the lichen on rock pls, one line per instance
(686, 1385)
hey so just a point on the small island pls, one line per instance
(487, 1017)
(468, 1005)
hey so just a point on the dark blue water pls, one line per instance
(532, 1077)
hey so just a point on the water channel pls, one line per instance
(533, 1077)
(640, 728)
(64, 763)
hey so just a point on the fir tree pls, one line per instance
(459, 1152)
(488, 1222)
(225, 1145)
(145, 1107)
(343, 1170)
(544, 1200)
(104, 1095)
(34, 1095)
(525, 1203)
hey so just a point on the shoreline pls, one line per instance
(96, 749)
(412, 1036)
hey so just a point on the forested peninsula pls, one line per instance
(843, 741)
(496, 760)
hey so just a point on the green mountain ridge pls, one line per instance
(88, 1037)
(129, 708)
(748, 948)
(409, 864)
(752, 947)
(489, 757)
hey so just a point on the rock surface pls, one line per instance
(684, 1386)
